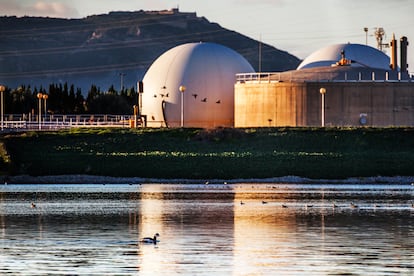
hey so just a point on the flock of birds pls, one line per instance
(333, 205)
(203, 100)
(154, 240)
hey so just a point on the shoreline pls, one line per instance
(93, 179)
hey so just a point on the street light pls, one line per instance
(323, 92)
(40, 97)
(2, 89)
(135, 115)
(366, 35)
(182, 89)
(45, 97)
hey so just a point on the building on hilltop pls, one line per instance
(173, 11)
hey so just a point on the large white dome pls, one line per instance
(207, 70)
(361, 55)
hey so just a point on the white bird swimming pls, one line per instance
(150, 240)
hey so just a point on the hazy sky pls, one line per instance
(297, 26)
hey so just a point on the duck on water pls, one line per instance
(150, 240)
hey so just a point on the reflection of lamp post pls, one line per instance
(323, 92)
(40, 97)
(182, 89)
(45, 97)
(2, 89)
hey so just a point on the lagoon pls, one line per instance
(214, 229)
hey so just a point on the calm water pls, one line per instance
(205, 230)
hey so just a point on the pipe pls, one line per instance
(403, 54)
(393, 45)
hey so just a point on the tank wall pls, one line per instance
(346, 104)
(270, 104)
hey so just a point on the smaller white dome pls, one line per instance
(361, 56)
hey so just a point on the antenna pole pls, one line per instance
(260, 53)
(122, 81)
(379, 34)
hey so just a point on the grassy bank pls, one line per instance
(334, 153)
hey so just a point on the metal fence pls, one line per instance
(315, 76)
(15, 122)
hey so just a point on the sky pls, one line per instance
(299, 27)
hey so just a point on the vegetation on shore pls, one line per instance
(223, 153)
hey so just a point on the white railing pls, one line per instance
(257, 77)
(303, 76)
(14, 122)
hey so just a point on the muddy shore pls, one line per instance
(91, 179)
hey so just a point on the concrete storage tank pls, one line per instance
(360, 90)
(192, 85)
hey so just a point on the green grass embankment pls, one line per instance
(331, 153)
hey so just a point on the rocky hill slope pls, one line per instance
(103, 49)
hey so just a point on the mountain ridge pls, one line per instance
(112, 49)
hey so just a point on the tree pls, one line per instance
(80, 103)
(65, 99)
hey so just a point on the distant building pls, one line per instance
(361, 89)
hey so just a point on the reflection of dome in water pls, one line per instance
(207, 70)
(361, 56)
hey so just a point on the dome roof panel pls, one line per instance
(360, 55)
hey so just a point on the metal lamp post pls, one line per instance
(45, 97)
(366, 35)
(2, 89)
(323, 92)
(182, 89)
(135, 115)
(40, 97)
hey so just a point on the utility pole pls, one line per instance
(260, 54)
(122, 81)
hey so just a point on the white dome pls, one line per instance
(207, 71)
(361, 55)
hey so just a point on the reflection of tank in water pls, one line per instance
(192, 85)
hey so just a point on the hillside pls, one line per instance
(99, 49)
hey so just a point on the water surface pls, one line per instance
(237, 229)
